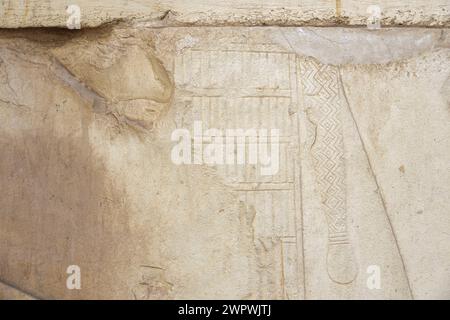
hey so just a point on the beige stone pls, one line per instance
(52, 13)
(87, 177)
(10, 293)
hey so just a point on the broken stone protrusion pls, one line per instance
(130, 78)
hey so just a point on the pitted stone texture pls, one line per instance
(52, 13)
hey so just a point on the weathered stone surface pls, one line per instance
(87, 179)
(130, 79)
(8, 292)
(52, 13)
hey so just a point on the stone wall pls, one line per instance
(52, 13)
(88, 175)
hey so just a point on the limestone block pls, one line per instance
(87, 177)
(55, 13)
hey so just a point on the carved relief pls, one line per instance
(258, 90)
(152, 284)
(222, 231)
(320, 84)
(123, 72)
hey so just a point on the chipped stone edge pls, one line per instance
(288, 17)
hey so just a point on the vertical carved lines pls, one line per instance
(252, 89)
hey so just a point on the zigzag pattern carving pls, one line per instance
(321, 91)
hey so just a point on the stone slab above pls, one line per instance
(93, 13)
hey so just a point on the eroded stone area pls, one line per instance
(87, 176)
(53, 13)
